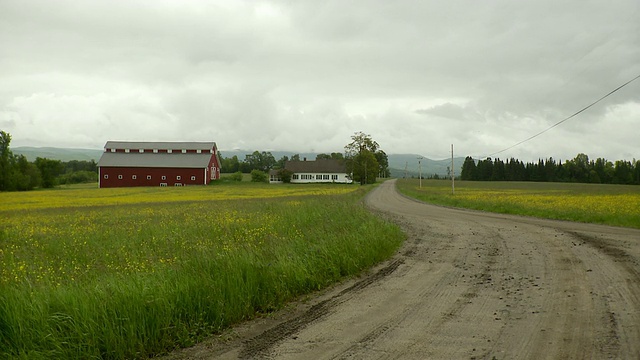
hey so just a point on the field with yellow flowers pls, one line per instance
(131, 273)
(617, 205)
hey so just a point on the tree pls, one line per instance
(259, 176)
(469, 169)
(280, 163)
(28, 175)
(383, 164)
(365, 168)
(360, 141)
(49, 170)
(263, 161)
(361, 158)
(5, 161)
(285, 175)
(229, 165)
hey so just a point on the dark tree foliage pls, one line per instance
(49, 171)
(285, 175)
(579, 169)
(259, 176)
(365, 160)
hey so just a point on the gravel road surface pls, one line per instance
(465, 285)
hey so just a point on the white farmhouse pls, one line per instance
(314, 171)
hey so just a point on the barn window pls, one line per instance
(119, 177)
(141, 151)
(148, 177)
(184, 151)
(169, 151)
(164, 177)
(163, 184)
(178, 177)
(199, 151)
(177, 184)
(193, 178)
(134, 177)
(155, 151)
(126, 150)
(106, 176)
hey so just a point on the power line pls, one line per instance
(561, 121)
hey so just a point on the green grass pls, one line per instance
(132, 280)
(617, 205)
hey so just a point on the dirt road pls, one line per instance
(466, 285)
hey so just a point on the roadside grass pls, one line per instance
(617, 205)
(132, 273)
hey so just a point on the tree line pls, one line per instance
(364, 159)
(19, 174)
(579, 169)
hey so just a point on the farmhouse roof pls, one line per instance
(161, 145)
(317, 166)
(160, 160)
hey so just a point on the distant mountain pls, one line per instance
(397, 162)
(31, 153)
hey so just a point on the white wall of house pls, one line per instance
(307, 178)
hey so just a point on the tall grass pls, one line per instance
(135, 280)
(617, 205)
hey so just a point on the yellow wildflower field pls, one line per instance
(61, 198)
(61, 236)
(617, 205)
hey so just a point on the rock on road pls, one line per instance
(465, 285)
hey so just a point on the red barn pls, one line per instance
(125, 164)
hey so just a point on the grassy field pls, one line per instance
(130, 273)
(617, 205)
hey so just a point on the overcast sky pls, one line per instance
(303, 76)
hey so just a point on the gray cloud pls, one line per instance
(304, 76)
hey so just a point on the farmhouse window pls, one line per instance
(193, 178)
(334, 177)
(295, 176)
(318, 177)
(178, 177)
(164, 177)
(106, 176)
(148, 177)
(119, 177)
(134, 177)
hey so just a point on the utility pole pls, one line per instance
(453, 173)
(420, 169)
(406, 164)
